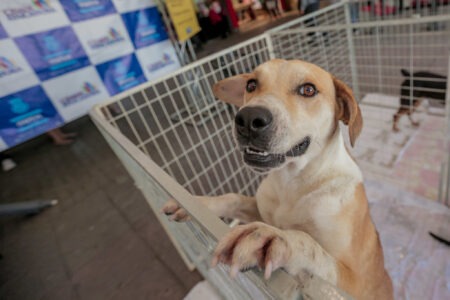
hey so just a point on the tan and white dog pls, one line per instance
(310, 213)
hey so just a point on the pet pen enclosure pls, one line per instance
(176, 141)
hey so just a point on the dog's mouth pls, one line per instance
(262, 160)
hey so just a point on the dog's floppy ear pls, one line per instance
(347, 110)
(231, 90)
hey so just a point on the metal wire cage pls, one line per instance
(175, 139)
(398, 70)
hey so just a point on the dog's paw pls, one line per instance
(176, 213)
(254, 244)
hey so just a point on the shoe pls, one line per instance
(8, 164)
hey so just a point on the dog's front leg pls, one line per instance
(233, 206)
(227, 206)
(265, 246)
(414, 123)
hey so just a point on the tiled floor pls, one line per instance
(100, 242)
(411, 158)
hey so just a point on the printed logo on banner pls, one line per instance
(53, 53)
(15, 72)
(75, 93)
(2, 32)
(165, 61)
(121, 74)
(131, 5)
(145, 27)
(31, 9)
(26, 114)
(3, 145)
(87, 90)
(109, 40)
(8, 67)
(22, 17)
(158, 60)
(79, 10)
(112, 37)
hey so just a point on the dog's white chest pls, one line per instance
(280, 206)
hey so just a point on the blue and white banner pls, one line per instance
(157, 60)
(80, 10)
(59, 58)
(145, 27)
(53, 53)
(25, 114)
(121, 74)
(2, 32)
(15, 72)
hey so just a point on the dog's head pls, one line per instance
(288, 110)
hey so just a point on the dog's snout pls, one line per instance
(253, 119)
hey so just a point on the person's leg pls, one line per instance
(354, 12)
(251, 13)
(60, 138)
(310, 8)
(277, 10)
(223, 28)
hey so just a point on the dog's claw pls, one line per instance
(214, 261)
(251, 245)
(174, 211)
(234, 271)
(268, 270)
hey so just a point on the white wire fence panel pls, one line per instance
(177, 126)
(402, 78)
(382, 52)
(177, 123)
(328, 49)
(330, 15)
(367, 11)
(445, 174)
(195, 242)
(398, 71)
(180, 125)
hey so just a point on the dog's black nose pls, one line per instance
(253, 121)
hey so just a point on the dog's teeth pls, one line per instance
(262, 153)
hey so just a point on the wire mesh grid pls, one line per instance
(402, 70)
(327, 49)
(398, 71)
(195, 242)
(363, 11)
(178, 124)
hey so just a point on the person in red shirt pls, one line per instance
(218, 19)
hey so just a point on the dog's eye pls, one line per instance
(251, 85)
(307, 90)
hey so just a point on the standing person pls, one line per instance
(271, 7)
(354, 11)
(306, 7)
(218, 19)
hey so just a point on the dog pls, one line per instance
(424, 85)
(310, 213)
